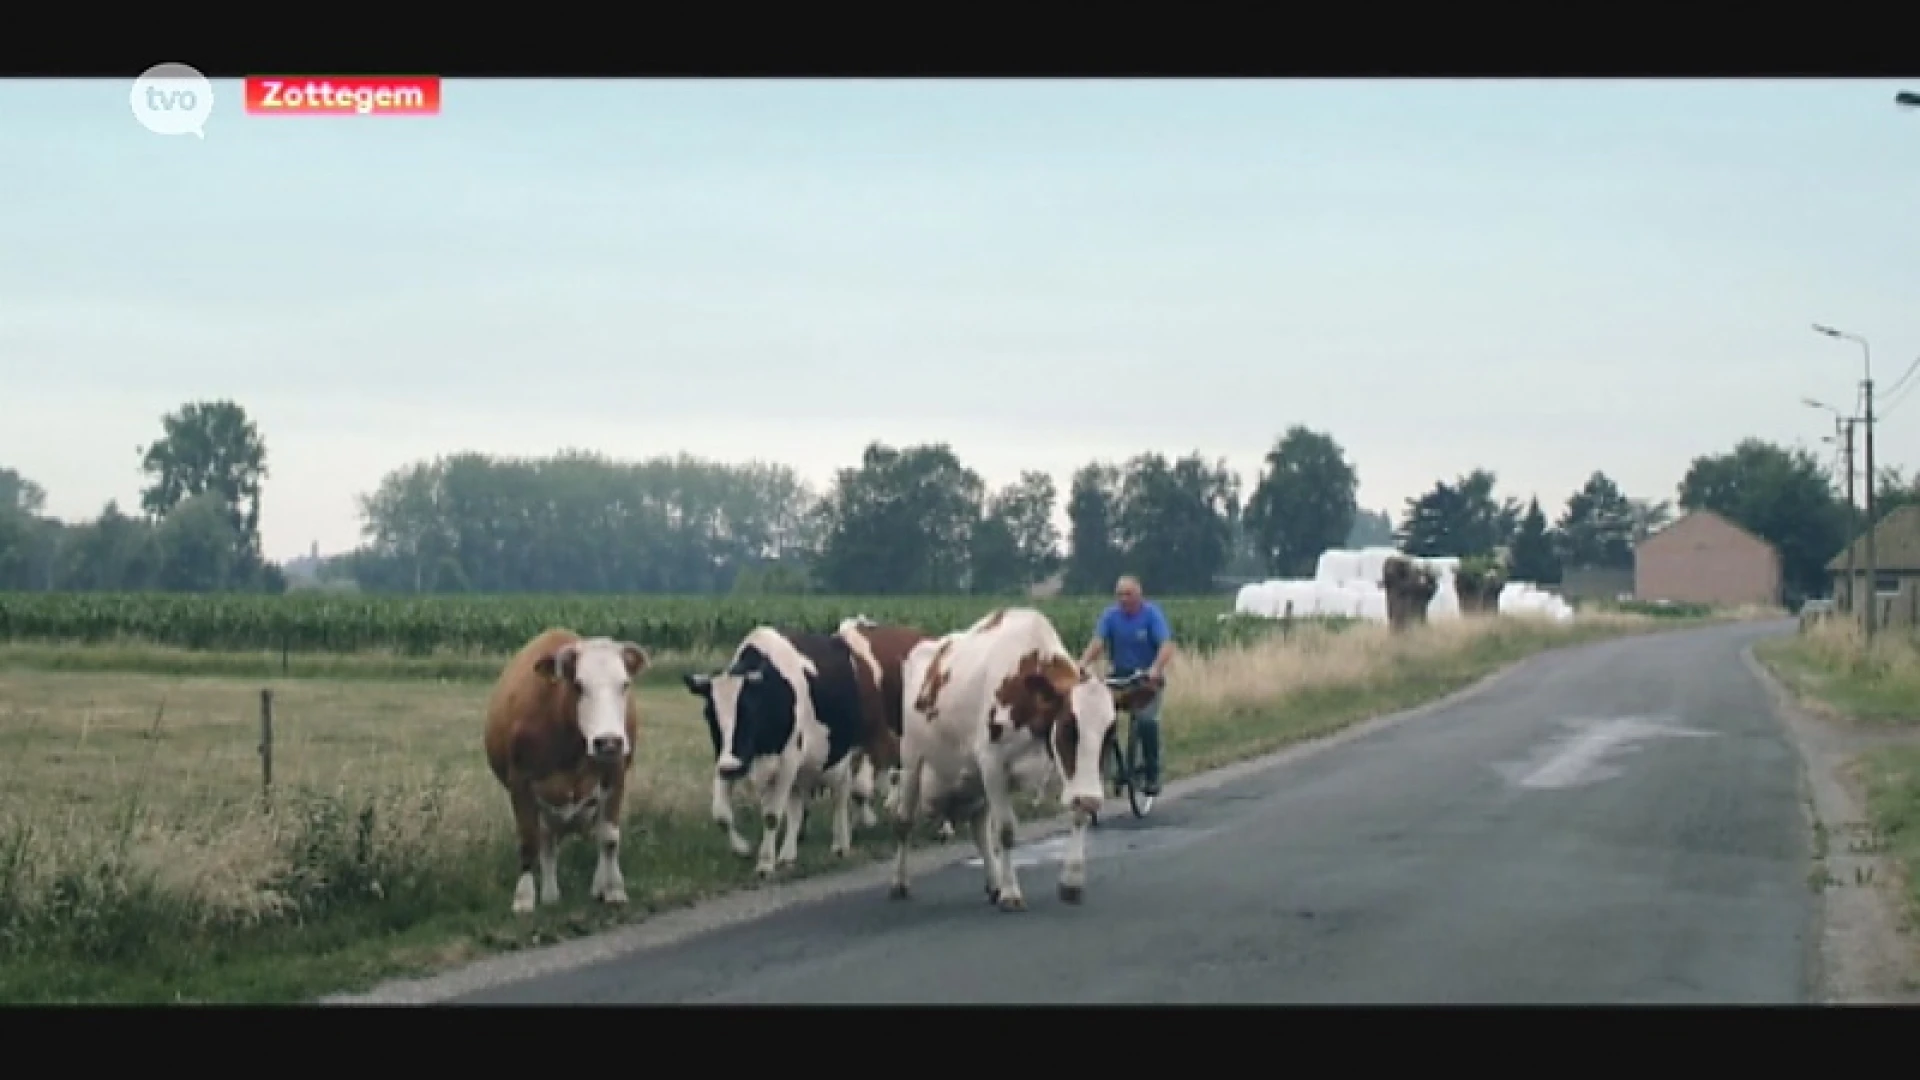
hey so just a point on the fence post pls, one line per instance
(266, 743)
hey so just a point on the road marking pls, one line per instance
(1100, 845)
(1584, 757)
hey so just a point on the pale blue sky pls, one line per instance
(1542, 278)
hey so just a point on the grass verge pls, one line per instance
(139, 861)
(1868, 688)
(1891, 778)
(1831, 663)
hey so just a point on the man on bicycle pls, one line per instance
(1134, 634)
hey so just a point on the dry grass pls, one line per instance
(1830, 660)
(137, 859)
(1315, 657)
(164, 774)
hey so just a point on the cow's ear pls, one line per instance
(1042, 687)
(697, 684)
(1064, 674)
(636, 658)
(556, 665)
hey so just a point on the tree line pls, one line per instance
(902, 520)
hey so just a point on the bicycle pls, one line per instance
(1124, 770)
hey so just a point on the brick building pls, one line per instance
(1703, 558)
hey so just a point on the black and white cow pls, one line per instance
(785, 713)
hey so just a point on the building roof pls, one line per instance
(1896, 542)
(1673, 528)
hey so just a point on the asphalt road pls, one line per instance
(1621, 823)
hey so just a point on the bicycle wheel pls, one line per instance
(1137, 799)
(1113, 768)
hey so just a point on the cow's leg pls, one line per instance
(989, 855)
(608, 884)
(526, 823)
(549, 862)
(796, 819)
(906, 806)
(776, 806)
(843, 784)
(993, 777)
(723, 816)
(863, 786)
(1073, 871)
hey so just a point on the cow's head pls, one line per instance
(740, 701)
(1082, 713)
(598, 671)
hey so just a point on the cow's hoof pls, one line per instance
(763, 871)
(993, 895)
(740, 846)
(523, 907)
(1072, 894)
(1012, 902)
(616, 897)
(842, 852)
(897, 891)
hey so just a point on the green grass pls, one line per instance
(1891, 776)
(1831, 665)
(138, 862)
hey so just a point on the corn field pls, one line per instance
(313, 622)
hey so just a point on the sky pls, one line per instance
(1542, 278)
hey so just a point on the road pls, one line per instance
(1618, 823)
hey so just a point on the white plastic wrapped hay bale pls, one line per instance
(1516, 596)
(1336, 601)
(1251, 599)
(1373, 603)
(1372, 564)
(1336, 566)
(1445, 604)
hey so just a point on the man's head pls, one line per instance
(1127, 593)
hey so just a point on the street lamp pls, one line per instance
(1866, 385)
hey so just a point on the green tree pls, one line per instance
(580, 522)
(1015, 544)
(1596, 529)
(208, 447)
(1094, 555)
(902, 522)
(1784, 496)
(1371, 528)
(1533, 553)
(1304, 502)
(1175, 521)
(19, 493)
(1460, 519)
(199, 549)
(114, 552)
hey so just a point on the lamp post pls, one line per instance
(1843, 431)
(1866, 386)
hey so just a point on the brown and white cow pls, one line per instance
(879, 650)
(561, 728)
(999, 707)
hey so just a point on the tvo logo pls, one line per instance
(172, 99)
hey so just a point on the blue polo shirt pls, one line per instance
(1132, 640)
